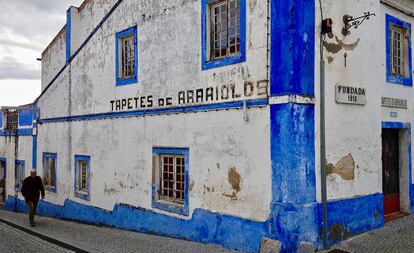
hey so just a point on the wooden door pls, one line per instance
(390, 171)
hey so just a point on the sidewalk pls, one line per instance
(395, 237)
(92, 238)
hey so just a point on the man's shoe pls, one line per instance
(32, 224)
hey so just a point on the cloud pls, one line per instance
(10, 68)
(16, 43)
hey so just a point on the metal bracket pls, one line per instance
(350, 22)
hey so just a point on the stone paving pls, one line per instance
(103, 239)
(395, 237)
(14, 240)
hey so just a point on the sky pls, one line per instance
(26, 28)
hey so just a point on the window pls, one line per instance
(399, 69)
(225, 28)
(82, 176)
(170, 181)
(19, 175)
(224, 32)
(49, 171)
(126, 57)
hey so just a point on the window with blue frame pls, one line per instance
(126, 57)
(49, 171)
(399, 58)
(223, 32)
(19, 175)
(170, 180)
(82, 176)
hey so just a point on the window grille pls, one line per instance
(225, 28)
(397, 51)
(12, 117)
(172, 178)
(49, 178)
(82, 176)
(127, 57)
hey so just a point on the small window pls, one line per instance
(126, 57)
(82, 176)
(398, 51)
(170, 180)
(225, 28)
(224, 32)
(19, 175)
(49, 171)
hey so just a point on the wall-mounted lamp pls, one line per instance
(350, 22)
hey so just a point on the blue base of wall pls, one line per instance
(204, 226)
(349, 217)
(290, 224)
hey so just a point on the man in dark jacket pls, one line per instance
(31, 189)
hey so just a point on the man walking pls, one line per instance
(31, 189)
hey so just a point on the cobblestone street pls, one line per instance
(395, 237)
(88, 238)
(15, 240)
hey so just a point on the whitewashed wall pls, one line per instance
(169, 58)
(356, 129)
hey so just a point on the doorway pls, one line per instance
(2, 181)
(391, 170)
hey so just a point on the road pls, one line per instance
(15, 240)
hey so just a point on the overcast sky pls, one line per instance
(26, 28)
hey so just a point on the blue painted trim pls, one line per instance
(118, 37)
(391, 20)
(292, 47)
(405, 125)
(34, 139)
(353, 216)
(85, 196)
(396, 125)
(53, 156)
(68, 33)
(1, 120)
(206, 63)
(19, 132)
(195, 108)
(292, 130)
(25, 117)
(350, 217)
(164, 205)
(22, 163)
(204, 226)
(79, 49)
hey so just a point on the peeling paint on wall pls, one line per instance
(335, 47)
(344, 167)
(234, 179)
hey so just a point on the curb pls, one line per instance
(44, 237)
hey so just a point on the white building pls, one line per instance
(201, 119)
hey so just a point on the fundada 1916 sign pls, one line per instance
(350, 95)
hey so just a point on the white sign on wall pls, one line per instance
(350, 95)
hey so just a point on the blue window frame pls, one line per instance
(405, 75)
(208, 61)
(50, 171)
(1, 120)
(19, 175)
(82, 176)
(170, 179)
(126, 62)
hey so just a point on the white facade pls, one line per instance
(236, 172)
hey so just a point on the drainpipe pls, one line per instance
(323, 141)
